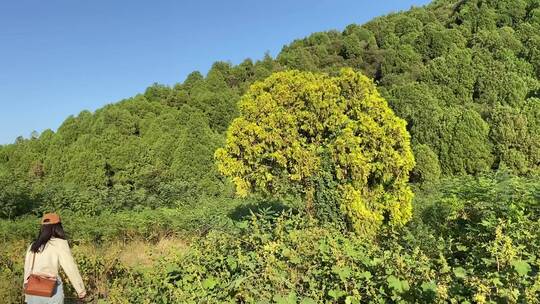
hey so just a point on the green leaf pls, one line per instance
(405, 285)
(242, 225)
(496, 282)
(366, 274)
(351, 300)
(343, 272)
(429, 287)
(462, 248)
(209, 283)
(288, 299)
(521, 267)
(308, 301)
(397, 285)
(231, 262)
(393, 282)
(460, 273)
(336, 293)
(488, 262)
(238, 282)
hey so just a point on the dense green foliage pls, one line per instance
(294, 121)
(463, 74)
(479, 245)
(153, 150)
(134, 153)
(472, 239)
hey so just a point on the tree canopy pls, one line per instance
(447, 68)
(463, 74)
(292, 121)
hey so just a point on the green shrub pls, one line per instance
(427, 170)
(292, 120)
(471, 240)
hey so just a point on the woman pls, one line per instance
(51, 250)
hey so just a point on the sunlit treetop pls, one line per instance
(294, 121)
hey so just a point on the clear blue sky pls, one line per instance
(59, 57)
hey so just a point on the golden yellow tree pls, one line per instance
(289, 121)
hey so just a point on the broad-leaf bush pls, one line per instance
(470, 239)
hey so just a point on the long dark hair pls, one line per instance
(45, 234)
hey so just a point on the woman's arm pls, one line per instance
(70, 268)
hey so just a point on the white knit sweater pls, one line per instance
(56, 252)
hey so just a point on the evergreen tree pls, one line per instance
(291, 120)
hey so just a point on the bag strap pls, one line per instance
(33, 260)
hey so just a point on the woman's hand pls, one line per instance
(82, 295)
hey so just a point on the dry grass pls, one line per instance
(145, 254)
(136, 254)
(96, 263)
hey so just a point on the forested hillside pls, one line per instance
(337, 209)
(464, 75)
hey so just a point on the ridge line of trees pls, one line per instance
(465, 78)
